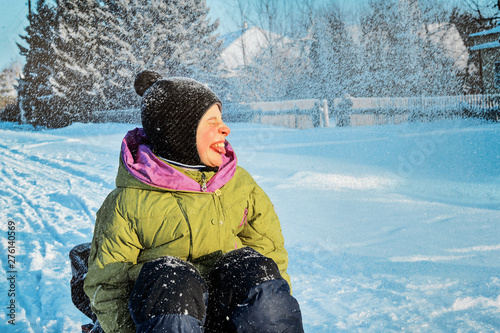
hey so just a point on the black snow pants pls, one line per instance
(243, 293)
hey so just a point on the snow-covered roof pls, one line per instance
(495, 30)
(243, 46)
(447, 36)
(231, 37)
(490, 45)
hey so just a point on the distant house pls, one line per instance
(448, 38)
(488, 45)
(242, 47)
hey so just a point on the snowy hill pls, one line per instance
(389, 228)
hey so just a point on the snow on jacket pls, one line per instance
(157, 210)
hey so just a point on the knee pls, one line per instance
(238, 271)
(251, 295)
(269, 307)
(168, 286)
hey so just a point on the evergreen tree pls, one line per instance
(121, 64)
(82, 58)
(333, 56)
(400, 56)
(378, 40)
(103, 44)
(35, 90)
(83, 55)
(174, 37)
(407, 50)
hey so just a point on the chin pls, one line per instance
(215, 165)
(214, 162)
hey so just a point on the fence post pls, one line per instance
(325, 113)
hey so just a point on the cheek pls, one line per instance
(203, 140)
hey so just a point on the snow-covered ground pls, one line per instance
(389, 228)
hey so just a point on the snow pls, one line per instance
(389, 228)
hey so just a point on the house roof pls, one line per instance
(490, 45)
(230, 37)
(495, 30)
(243, 46)
(447, 37)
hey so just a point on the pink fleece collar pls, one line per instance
(149, 169)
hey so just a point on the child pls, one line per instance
(187, 242)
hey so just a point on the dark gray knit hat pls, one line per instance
(171, 110)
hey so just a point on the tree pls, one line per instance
(403, 55)
(378, 39)
(486, 11)
(123, 37)
(468, 23)
(83, 55)
(8, 94)
(34, 89)
(174, 38)
(121, 64)
(333, 55)
(8, 80)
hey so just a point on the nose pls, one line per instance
(224, 130)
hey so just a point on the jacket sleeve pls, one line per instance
(263, 231)
(115, 248)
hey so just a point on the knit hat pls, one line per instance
(171, 110)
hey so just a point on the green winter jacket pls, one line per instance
(156, 210)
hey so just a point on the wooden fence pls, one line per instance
(389, 110)
(294, 113)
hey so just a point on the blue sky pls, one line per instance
(13, 20)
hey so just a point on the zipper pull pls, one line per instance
(203, 182)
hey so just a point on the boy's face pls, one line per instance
(211, 137)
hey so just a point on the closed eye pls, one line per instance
(214, 121)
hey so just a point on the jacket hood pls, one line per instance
(146, 167)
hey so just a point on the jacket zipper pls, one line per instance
(203, 182)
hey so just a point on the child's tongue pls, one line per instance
(219, 149)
